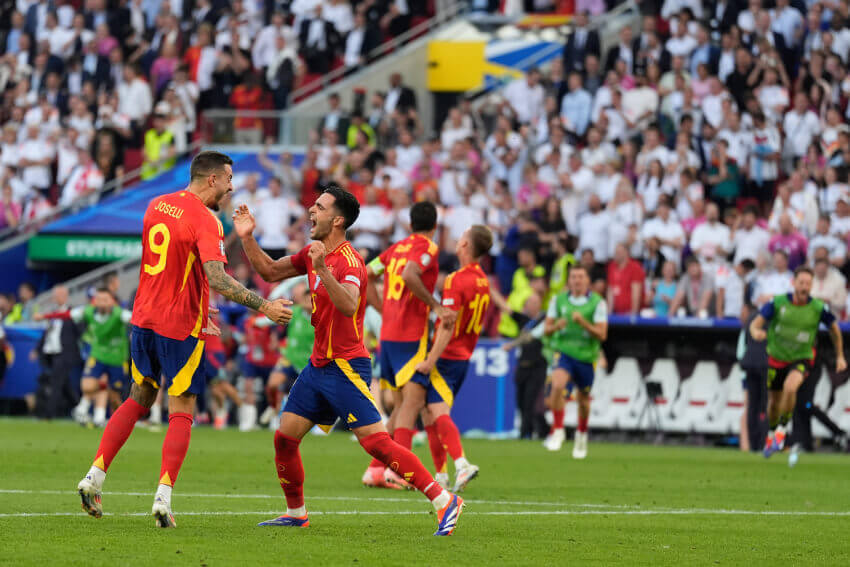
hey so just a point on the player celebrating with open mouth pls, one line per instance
(793, 327)
(335, 382)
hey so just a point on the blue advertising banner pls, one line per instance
(22, 374)
(487, 399)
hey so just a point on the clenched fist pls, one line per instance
(243, 221)
(317, 253)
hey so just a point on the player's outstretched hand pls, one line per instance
(277, 311)
(243, 221)
(840, 364)
(317, 254)
(758, 335)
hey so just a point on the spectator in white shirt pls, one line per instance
(576, 107)
(828, 284)
(668, 231)
(840, 220)
(460, 217)
(278, 218)
(801, 126)
(134, 96)
(408, 154)
(454, 129)
(35, 157)
(373, 225)
(836, 249)
(712, 103)
(594, 229)
(731, 283)
(250, 194)
(738, 140)
(775, 282)
(525, 97)
(711, 238)
(577, 182)
(84, 180)
(749, 239)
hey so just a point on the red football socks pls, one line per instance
(438, 452)
(117, 430)
(557, 419)
(290, 470)
(403, 437)
(401, 460)
(582, 424)
(449, 436)
(175, 446)
(376, 463)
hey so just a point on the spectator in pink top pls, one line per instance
(10, 211)
(105, 42)
(790, 241)
(163, 67)
(533, 192)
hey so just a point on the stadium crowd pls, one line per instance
(94, 89)
(690, 168)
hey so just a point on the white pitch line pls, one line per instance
(672, 512)
(329, 498)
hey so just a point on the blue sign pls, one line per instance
(487, 400)
(22, 375)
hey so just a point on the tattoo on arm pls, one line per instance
(230, 288)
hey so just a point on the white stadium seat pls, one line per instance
(700, 395)
(625, 386)
(601, 411)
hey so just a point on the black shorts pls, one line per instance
(776, 376)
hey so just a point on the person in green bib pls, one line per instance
(792, 326)
(576, 324)
(105, 372)
(300, 335)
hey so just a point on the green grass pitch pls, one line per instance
(626, 504)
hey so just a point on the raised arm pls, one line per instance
(231, 289)
(270, 270)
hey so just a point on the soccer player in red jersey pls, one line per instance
(410, 271)
(182, 257)
(439, 377)
(335, 382)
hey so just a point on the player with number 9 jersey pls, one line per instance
(172, 303)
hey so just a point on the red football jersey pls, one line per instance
(180, 233)
(405, 315)
(337, 336)
(467, 291)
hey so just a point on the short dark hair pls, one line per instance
(103, 289)
(752, 209)
(803, 270)
(748, 264)
(346, 203)
(578, 267)
(206, 163)
(481, 238)
(423, 216)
